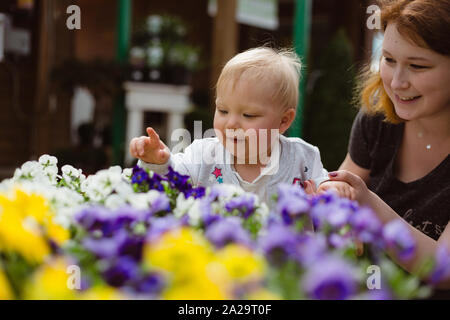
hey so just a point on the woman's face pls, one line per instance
(416, 79)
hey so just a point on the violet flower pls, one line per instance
(245, 204)
(397, 235)
(152, 283)
(178, 181)
(106, 248)
(278, 244)
(227, 230)
(139, 175)
(292, 203)
(441, 269)
(121, 271)
(365, 225)
(330, 278)
(310, 248)
(197, 193)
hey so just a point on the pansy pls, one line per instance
(330, 278)
(397, 236)
(227, 230)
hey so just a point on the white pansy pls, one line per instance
(114, 201)
(127, 173)
(182, 205)
(124, 189)
(139, 201)
(195, 214)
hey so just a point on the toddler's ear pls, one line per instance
(287, 119)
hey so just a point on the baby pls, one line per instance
(256, 100)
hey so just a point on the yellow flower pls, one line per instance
(26, 222)
(57, 233)
(182, 252)
(22, 236)
(189, 262)
(241, 263)
(49, 282)
(5, 289)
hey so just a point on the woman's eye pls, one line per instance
(415, 66)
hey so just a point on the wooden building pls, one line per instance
(35, 119)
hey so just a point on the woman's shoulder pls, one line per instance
(375, 129)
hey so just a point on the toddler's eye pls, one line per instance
(249, 115)
(223, 111)
(389, 60)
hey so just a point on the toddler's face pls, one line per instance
(247, 121)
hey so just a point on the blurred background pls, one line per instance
(79, 81)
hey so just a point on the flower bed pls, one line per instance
(132, 234)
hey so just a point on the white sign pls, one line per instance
(257, 13)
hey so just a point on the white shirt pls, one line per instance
(207, 162)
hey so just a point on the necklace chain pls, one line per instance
(420, 136)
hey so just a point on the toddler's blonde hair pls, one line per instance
(279, 70)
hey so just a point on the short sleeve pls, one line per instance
(319, 173)
(360, 144)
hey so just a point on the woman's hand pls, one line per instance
(343, 189)
(360, 192)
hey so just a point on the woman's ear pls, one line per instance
(287, 119)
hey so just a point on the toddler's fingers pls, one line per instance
(348, 194)
(132, 147)
(142, 144)
(154, 137)
(352, 193)
(307, 187)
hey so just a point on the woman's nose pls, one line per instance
(400, 79)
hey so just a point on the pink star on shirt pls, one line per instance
(217, 172)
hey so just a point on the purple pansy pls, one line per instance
(245, 204)
(139, 175)
(106, 247)
(292, 203)
(178, 181)
(278, 244)
(197, 193)
(441, 268)
(152, 283)
(227, 230)
(396, 235)
(365, 225)
(121, 271)
(309, 248)
(160, 225)
(330, 278)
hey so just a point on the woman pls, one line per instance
(399, 151)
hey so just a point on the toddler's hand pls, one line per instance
(343, 189)
(150, 149)
(310, 187)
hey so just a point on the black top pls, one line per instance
(424, 203)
